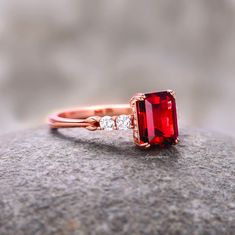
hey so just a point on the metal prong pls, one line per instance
(172, 93)
(176, 141)
(137, 97)
(143, 146)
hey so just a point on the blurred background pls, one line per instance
(63, 53)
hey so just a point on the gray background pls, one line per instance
(61, 53)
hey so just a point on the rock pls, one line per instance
(79, 182)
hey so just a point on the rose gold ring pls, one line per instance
(152, 116)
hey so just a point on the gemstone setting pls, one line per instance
(155, 118)
(123, 122)
(107, 123)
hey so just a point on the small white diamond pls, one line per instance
(123, 122)
(106, 123)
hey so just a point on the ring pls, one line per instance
(152, 116)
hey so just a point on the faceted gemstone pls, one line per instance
(107, 123)
(157, 118)
(123, 122)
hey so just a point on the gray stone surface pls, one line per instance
(81, 182)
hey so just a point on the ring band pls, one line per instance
(88, 117)
(152, 116)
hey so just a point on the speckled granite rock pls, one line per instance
(81, 182)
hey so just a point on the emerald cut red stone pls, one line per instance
(157, 118)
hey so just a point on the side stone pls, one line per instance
(107, 123)
(123, 122)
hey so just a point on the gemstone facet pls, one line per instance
(156, 119)
(123, 122)
(107, 123)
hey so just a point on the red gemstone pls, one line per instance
(157, 118)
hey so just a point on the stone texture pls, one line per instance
(80, 182)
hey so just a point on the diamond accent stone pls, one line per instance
(123, 122)
(107, 123)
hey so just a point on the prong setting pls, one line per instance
(136, 136)
(176, 141)
(144, 145)
(150, 112)
(172, 93)
(137, 97)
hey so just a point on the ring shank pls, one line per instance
(82, 117)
